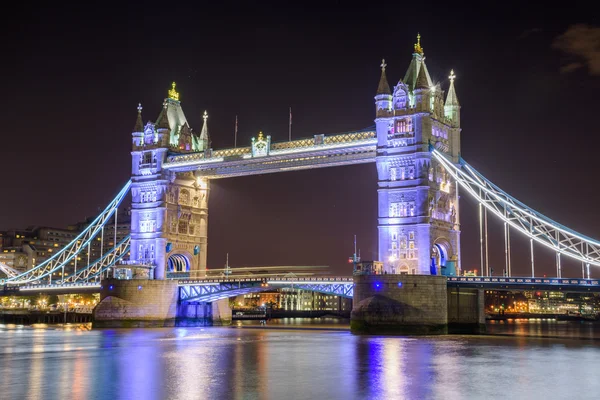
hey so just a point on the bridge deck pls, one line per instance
(319, 151)
(338, 285)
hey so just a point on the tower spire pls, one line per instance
(422, 82)
(204, 138)
(163, 120)
(384, 87)
(452, 99)
(418, 48)
(452, 106)
(173, 93)
(139, 123)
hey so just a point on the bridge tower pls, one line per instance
(169, 210)
(418, 214)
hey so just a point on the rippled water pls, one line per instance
(251, 362)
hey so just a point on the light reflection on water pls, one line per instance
(255, 363)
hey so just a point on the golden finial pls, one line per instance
(418, 48)
(383, 64)
(452, 76)
(205, 116)
(260, 135)
(173, 93)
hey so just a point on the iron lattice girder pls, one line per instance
(71, 250)
(206, 292)
(521, 217)
(8, 271)
(343, 289)
(211, 289)
(105, 262)
(524, 283)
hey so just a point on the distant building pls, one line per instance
(294, 300)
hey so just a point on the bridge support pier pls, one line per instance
(399, 304)
(415, 305)
(466, 310)
(136, 303)
(194, 313)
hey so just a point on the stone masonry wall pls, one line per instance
(136, 303)
(403, 304)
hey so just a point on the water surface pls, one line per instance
(257, 363)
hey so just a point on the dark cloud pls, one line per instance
(565, 69)
(529, 32)
(582, 42)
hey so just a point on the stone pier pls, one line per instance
(136, 303)
(141, 303)
(414, 305)
(399, 304)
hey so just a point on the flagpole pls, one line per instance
(290, 128)
(235, 134)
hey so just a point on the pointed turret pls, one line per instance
(452, 106)
(202, 142)
(162, 122)
(452, 99)
(139, 124)
(384, 87)
(172, 118)
(204, 132)
(383, 98)
(422, 82)
(417, 63)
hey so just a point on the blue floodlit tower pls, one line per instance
(418, 214)
(169, 210)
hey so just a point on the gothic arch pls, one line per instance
(441, 252)
(179, 261)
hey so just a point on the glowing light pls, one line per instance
(399, 284)
(173, 93)
(201, 182)
(418, 48)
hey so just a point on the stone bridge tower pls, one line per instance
(169, 210)
(418, 220)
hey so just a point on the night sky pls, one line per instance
(527, 81)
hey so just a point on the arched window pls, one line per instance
(183, 227)
(184, 197)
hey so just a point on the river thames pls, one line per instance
(297, 361)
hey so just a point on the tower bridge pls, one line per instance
(415, 146)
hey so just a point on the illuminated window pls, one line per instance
(183, 227)
(184, 197)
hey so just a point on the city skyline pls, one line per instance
(521, 150)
